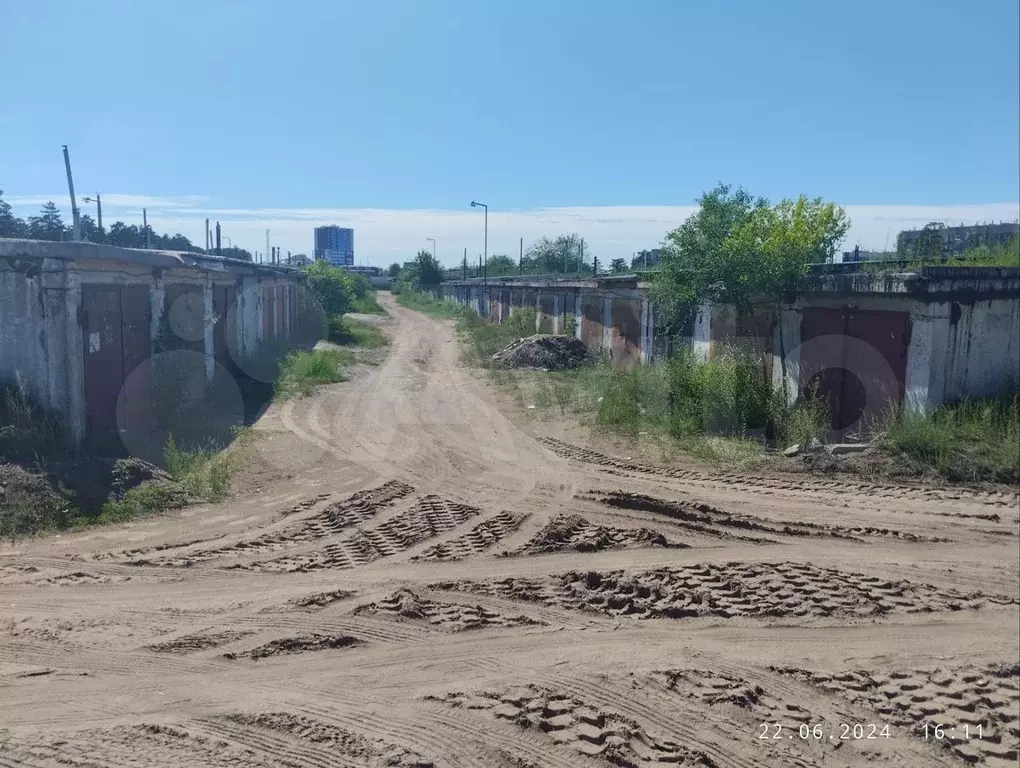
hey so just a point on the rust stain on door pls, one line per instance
(626, 332)
(591, 321)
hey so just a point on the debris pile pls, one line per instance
(544, 352)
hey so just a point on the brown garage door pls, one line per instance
(546, 309)
(855, 361)
(591, 323)
(116, 342)
(626, 338)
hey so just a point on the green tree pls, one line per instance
(332, 287)
(554, 257)
(47, 225)
(428, 270)
(394, 270)
(618, 265)
(124, 236)
(10, 225)
(500, 265)
(737, 249)
(89, 230)
(932, 242)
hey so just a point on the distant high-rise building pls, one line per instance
(956, 240)
(646, 258)
(335, 245)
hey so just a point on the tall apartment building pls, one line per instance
(335, 245)
(955, 240)
(647, 258)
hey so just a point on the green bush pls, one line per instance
(522, 322)
(729, 394)
(334, 289)
(569, 324)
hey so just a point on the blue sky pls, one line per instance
(585, 115)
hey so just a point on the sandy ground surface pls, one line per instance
(412, 575)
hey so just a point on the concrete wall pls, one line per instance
(34, 332)
(41, 335)
(963, 323)
(981, 348)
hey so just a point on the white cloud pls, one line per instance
(386, 235)
(112, 201)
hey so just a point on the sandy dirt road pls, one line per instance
(410, 578)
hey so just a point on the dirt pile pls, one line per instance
(544, 352)
(21, 485)
(94, 481)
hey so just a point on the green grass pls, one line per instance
(482, 339)
(302, 371)
(422, 302)
(971, 441)
(367, 304)
(146, 499)
(28, 517)
(724, 410)
(348, 332)
(199, 474)
(27, 429)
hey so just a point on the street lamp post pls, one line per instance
(230, 243)
(433, 241)
(485, 263)
(99, 211)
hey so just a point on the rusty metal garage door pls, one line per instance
(104, 356)
(855, 361)
(626, 333)
(281, 313)
(224, 329)
(546, 310)
(591, 322)
(134, 407)
(117, 347)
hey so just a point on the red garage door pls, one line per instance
(855, 361)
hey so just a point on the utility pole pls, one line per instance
(76, 221)
(145, 226)
(580, 262)
(475, 204)
(207, 235)
(217, 238)
(99, 211)
(465, 263)
(520, 267)
(267, 244)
